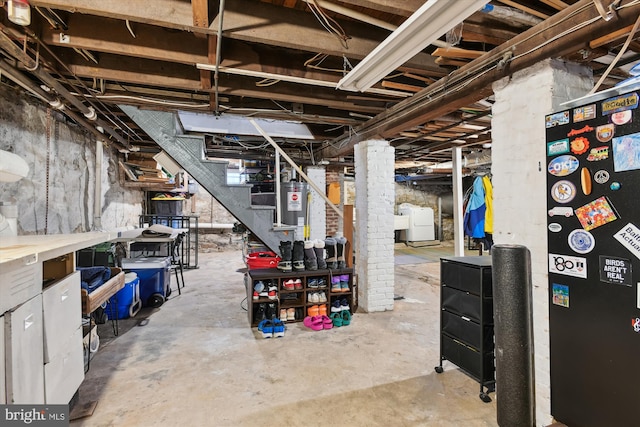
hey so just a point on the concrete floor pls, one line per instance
(195, 362)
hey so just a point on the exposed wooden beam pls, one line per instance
(453, 62)
(556, 4)
(524, 8)
(200, 13)
(481, 33)
(608, 38)
(456, 52)
(401, 86)
(266, 24)
(456, 90)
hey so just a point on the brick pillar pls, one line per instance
(318, 220)
(519, 167)
(374, 234)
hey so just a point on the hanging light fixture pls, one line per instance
(19, 12)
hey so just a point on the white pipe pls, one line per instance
(458, 199)
(97, 192)
(277, 178)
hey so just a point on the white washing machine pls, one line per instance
(421, 224)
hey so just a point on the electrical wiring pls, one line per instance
(144, 99)
(329, 23)
(267, 82)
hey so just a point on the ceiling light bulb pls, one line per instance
(19, 12)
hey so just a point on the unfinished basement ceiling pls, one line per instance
(281, 60)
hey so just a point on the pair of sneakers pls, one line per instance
(340, 283)
(315, 297)
(342, 318)
(260, 290)
(317, 282)
(289, 314)
(339, 304)
(292, 284)
(317, 310)
(271, 328)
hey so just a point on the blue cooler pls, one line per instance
(126, 302)
(153, 273)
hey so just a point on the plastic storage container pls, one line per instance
(126, 302)
(154, 278)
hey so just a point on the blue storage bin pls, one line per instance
(123, 304)
(153, 273)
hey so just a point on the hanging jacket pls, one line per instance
(474, 216)
(488, 201)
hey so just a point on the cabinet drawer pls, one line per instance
(19, 284)
(62, 314)
(466, 304)
(467, 331)
(468, 359)
(473, 279)
(65, 372)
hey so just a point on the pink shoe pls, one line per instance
(313, 322)
(327, 323)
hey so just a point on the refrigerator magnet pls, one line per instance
(579, 145)
(585, 181)
(596, 213)
(615, 270)
(604, 133)
(563, 165)
(563, 191)
(621, 118)
(629, 237)
(581, 241)
(575, 132)
(558, 147)
(560, 295)
(554, 227)
(620, 103)
(598, 153)
(635, 324)
(638, 291)
(626, 152)
(586, 112)
(556, 119)
(601, 176)
(568, 265)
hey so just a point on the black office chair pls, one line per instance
(176, 261)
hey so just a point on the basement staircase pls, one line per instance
(189, 152)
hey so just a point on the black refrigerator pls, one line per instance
(593, 228)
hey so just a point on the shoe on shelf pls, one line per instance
(313, 283)
(283, 314)
(344, 282)
(256, 295)
(322, 282)
(288, 285)
(271, 311)
(299, 313)
(272, 295)
(335, 284)
(266, 327)
(344, 304)
(327, 323)
(258, 286)
(291, 314)
(322, 310)
(336, 318)
(335, 306)
(322, 297)
(313, 297)
(346, 317)
(278, 328)
(313, 310)
(297, 284)
(313, 322)
(261, 312)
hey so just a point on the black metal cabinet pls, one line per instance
(466, 318)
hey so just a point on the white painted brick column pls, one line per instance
(374, 234)
(519, 167)
(318, 220)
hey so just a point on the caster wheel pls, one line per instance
(156, 300)
(439, 369)
(485, 397)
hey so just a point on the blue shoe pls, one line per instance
(266, 327)
(278, 328)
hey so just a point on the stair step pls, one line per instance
(284, 228)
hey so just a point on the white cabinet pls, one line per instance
(3, 396)
(62, 312)
(23, 358)
(65, 372)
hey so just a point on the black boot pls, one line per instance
(310, 261)
(341, 243)
(261, 313)
(286, 255)
(330, 247)
(271, 311)
(298, 255)
(318, 247)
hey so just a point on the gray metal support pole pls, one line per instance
(513, 329)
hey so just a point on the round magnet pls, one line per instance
(621, 117)
(563, 191)
(581, 241)
(554, 227)
(601, 176)
(604, 133)
(615, 186)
